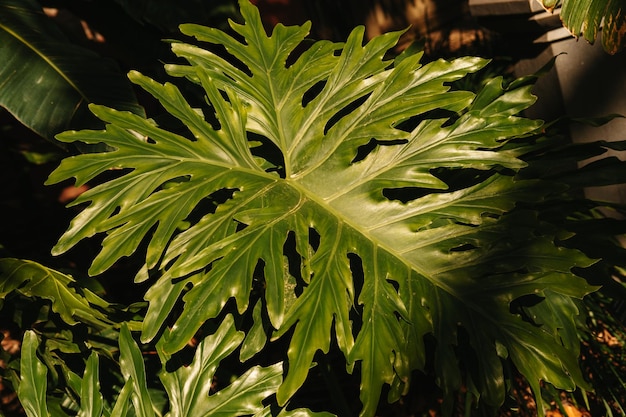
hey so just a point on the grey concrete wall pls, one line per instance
(585, 82)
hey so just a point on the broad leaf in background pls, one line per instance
(370, 202)
(73, 303)
(586, 17)
(46, 82)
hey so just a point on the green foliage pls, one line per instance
(47, 82)
(325, 198)
(317, 188)
(90, 389)
(72, 303)
(188, 387)
(32, 389)
(587, 17)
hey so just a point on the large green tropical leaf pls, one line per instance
(46, 82)
(587, 17)
(374, 204)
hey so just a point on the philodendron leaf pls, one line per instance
(133, 369)
(121, 407)
(33, 378)
(299, 412)
(368, 201)
(188, 387)
(587, 17)
(91, 404)
(72, 303)
(46, 82)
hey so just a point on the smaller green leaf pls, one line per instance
(245, 395)
(39, 158)
(132, 366)
(72, 303)
(299, 412)
(304, 412)
(188, 387)
(121, 404)
(74, 381)
(33, 378)
(601, 121)
(605, 171)
(162, 297)
(91, 404)
(256, 336)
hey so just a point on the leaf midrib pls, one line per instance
(50, 63)
(381, 245)
(351, 223)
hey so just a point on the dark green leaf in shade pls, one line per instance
(46, 82)
(72, 303)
